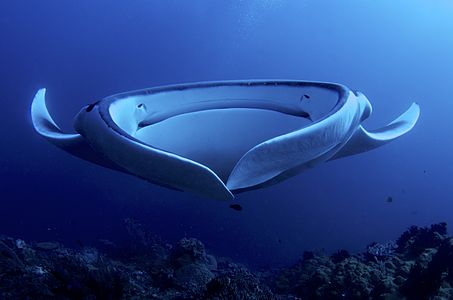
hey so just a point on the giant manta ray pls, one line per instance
(220, 138)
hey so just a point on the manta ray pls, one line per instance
(217, 139)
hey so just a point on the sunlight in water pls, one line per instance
(252, 13)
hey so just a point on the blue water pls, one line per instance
(395, 52)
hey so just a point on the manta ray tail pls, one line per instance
(72, 143)
(363, 140)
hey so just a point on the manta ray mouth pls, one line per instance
(216, 127)
(218, 138)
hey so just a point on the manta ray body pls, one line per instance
(220, 138)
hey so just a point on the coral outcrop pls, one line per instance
(419, 265)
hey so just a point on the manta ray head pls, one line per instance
(81, 117)
(129, 116)
(364, 104)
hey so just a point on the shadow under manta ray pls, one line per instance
(220, 138)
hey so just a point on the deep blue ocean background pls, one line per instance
(395, 52)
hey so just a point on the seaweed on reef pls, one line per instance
(308, 255)
(141, 240)
(414, 240)
(74, 279)
(340, 255)
(425, 282)
(10, 263)
(57, 273)
(237, 283)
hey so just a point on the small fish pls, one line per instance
(424, 171)
(236, 207)
(389, 199)
(279, 241)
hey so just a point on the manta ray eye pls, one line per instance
(91, 106)
(140, 105)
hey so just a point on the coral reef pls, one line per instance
(418, 266)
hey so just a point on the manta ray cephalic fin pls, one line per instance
(72, 143)
(363, 140)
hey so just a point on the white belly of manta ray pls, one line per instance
(217, 139)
